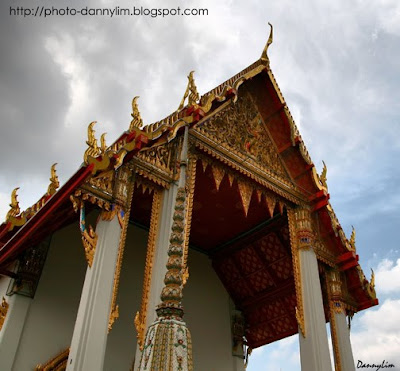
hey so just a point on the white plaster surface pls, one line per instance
(89, 338)
(314, 351)
(345, 350)
(51, 317)
(121, 343)
(13, 325)
(207, 315)
(160, 257)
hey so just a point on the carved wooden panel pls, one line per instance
(240, 129)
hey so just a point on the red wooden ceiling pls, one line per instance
(257, 272)
(218, 215)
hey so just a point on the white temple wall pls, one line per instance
(121, 343)
(51, 318)
(4, 282)
(207, 314)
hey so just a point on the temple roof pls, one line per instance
(297, 178)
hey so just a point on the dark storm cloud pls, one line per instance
(33, 99)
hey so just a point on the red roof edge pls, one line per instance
(12, 247)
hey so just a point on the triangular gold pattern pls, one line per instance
(218, 173)
(204, 164)
(259, 194)
(246, 191)
(271, 202)
(281, 206)
(231, 178)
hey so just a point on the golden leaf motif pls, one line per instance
(218, 173)
(271, 202)
(246, 191)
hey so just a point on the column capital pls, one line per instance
(304, 228)
(334, 281)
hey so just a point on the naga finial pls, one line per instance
(54, 183)
(264, 54)
(15, 210)
(372, 281)
(353, 238)
(93, 149)
(191, 92)
(137, 121)
(103, 145)
(323, 176)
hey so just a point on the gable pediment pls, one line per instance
(240, 130)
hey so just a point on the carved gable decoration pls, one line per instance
(160, 160)
(239, 128)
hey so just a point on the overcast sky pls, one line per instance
(336, 62)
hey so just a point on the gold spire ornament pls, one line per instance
(103, 145)
(353, 239)
(168, 344)
(54, 183)
(137, 121)
(191, 92)
(264, 54)
(371, 285)
(93, 149)
(372, 282)
(323, 177)
(14, 205)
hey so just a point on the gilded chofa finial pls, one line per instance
(15, 210)
(372, 281)
(264, 55)
(191, 92)
(137, 121)
(323, 177)
(103, 145)
(353, 239)
(93, 149)
(371, 285)
(54, 183)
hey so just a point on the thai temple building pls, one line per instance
(183, 246)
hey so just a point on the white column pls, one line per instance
(238, 359)
(89, 339)
(161, 250)
(10, 334)
(237, 333)
(314, 351)
(160, 257)
(343, 342)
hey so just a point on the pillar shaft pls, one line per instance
(11, 331)
(90, 333)
(161, 247)
(314, 351)
(341, 339)
(158, 268)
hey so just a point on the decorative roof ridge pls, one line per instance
(16, 218)
(219, 92)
